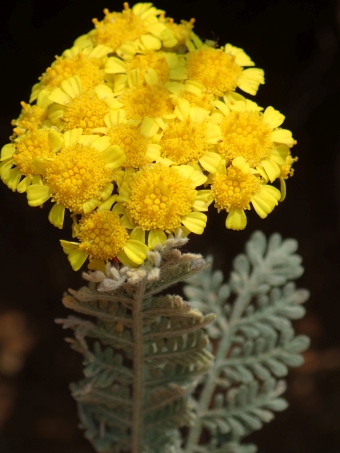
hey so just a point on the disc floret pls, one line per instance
(163, 198)
(235, 189)
(102, 238)
(77, 174)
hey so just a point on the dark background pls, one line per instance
(297, 44)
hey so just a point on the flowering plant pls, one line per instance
(135, 131)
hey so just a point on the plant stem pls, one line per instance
(138, 378)
(209, 388)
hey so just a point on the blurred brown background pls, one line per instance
(297, 44)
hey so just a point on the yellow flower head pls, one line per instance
(184, 141)
(253, 135)
(158, 197)
(133, 143)
(31, 146)
(88, 69)
(154, 60)
(77, 174)
(101, 235)
(88, 64)
(79, 177)
(189, 142)
(181, 33)
(72, 107)
(133, 29)
(31, 117)
(116, 28)
(245, 134)
(235, 189)
(221, 70)
(103, 238)
(86, 111)
(19, 158)
(146, 101)
(204, 101)
(152, 68)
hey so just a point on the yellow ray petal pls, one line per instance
(90, 205)
(37, 194)
(156, 237)
(102, 143)
(55, 140)
(195, 222)
(72, 136)
(106, 191)
(250, 79)
(123, 258)
(107, 204)
(203, 200)
(115, 65)
(77, 258)
(272, 169)
(210, 161)
(5, 167)
(135, 250)
(138, 233)
(56, 215)
(114, 156)
(96, 265)
(59, 96)
(22, 186)
(151, 77)
(236, 219)
(150, 42)
(68, 246)
(283, 136)
(149, 127)
(283, 189)
(7, 151)
(72, 86)
(12, 178)
(241, 58)
(273, 117)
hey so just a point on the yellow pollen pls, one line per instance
(245, 134)
(134, 144)
(33, 145)
(214, 69)
(152, 60)
(234, 189)
(151, 101)
(184, 142)
(31, 117)
(86, 111)
(116, 28)
(160, 197)
(102, 235)
(88, 69)
(77, 175)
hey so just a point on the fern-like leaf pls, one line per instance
(255, 342)
(143, 353)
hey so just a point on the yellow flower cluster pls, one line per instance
(137, 129)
